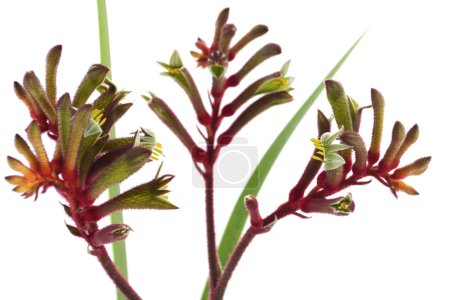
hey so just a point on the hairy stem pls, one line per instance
(112, 271)
(213, 259)
(234, 259)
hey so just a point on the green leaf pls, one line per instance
(119, 249)
(337, 147)
(333, 161)
(285, 68)
(73, 230)
(119, 170)
(66, 209)
(239, 215)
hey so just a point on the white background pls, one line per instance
(388, 249)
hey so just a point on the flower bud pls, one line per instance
(411, 138)
(263, 54)
(323, 123)
(116, 171)
(169, 118)
(339, 103)
(111, 234)
(251, 204)
(64, 115)
(34, 135)
(35, 111)
(150, 195)
(53, 58)
(354, 139)
(33, 86)
(399, 185)
(24, 149)
(222, 19)
(413, 169)
(398, 136)
(334, 177)
(245, 95)
(80, 122)
(313, 166)
(253, 34)
(251, 112)
(93, 78)
(340, 206)
(228, 32)
(377, 130)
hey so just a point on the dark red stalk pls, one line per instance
(234, 259)
(213, 259)
(87, 230)
(208, 176)
(112, 271)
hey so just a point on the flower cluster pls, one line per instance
(272, 89)
(347, 163)
(86, 161)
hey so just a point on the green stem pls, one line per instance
(119, 248)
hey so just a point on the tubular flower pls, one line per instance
(86, 161)
(328, 151)
(349, 162)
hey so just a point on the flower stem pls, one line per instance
(234, 259)
(213, 259)
(115, 275)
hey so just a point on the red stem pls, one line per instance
(213, 258)
(112, 271)
(234, 259)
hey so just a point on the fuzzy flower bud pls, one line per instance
(111, 234)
